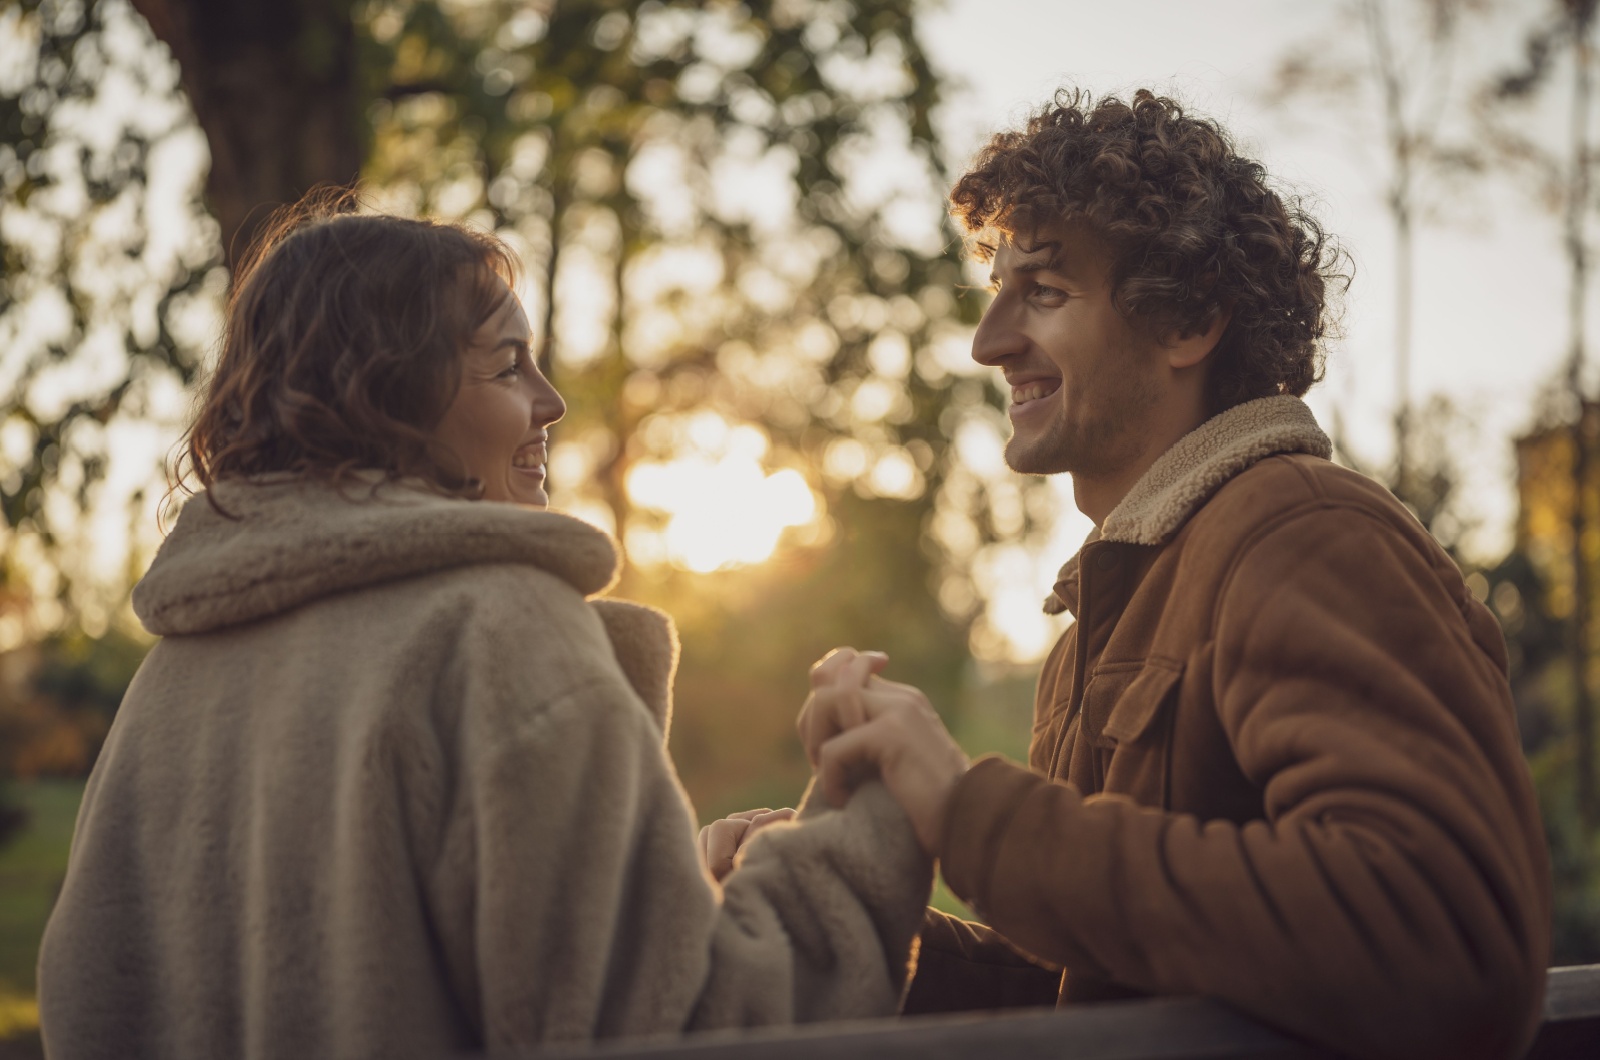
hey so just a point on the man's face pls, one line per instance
(1083, 380)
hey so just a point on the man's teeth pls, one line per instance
(1031, 392)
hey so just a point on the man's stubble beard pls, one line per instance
(1101, 443)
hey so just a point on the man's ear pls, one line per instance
(1185, 350)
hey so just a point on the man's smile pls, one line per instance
(1032, 394)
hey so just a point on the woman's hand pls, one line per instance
(855, 723)
(835, 704)
(721, 840)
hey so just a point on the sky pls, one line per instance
(1490, 319)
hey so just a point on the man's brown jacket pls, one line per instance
(1274, 762)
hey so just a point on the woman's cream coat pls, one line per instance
(392, 784)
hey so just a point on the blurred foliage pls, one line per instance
(57, 699)
(732, 220)
(102, 270)
(1531, 591)
(31, 867)
(1557, 487)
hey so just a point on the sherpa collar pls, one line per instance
(288, 540)
(1198, 464)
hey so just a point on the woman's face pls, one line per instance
(497, 424)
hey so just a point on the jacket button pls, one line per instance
(1106, 560)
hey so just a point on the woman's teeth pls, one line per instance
(527, 460)
(1031, 392)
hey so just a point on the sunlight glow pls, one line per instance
(722, 511)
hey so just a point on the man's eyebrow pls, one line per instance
(1051, 261)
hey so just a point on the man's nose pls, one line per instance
(997, 336)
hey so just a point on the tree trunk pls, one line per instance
(1399, 202)
(273, 84)
(1577, 259)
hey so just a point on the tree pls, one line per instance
(731, 217)
(1405, 71)
(107, 275)
(1564, 180)
(277, 89)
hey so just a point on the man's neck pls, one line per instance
(1097, 496)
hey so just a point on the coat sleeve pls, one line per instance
(567, 890)
(1394, 900)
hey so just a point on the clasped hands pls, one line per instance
(855, 725)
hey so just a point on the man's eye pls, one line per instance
(1046, 293)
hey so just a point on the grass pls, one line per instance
(31, 867)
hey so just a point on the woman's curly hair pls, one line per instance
(1194, 230)
(342, 347)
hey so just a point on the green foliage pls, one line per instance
(100, 268)
(748, 645)
(1574, 858)
(13, 817)
(58, 699)
(614, 144)
(31, 869)
(607, 137)
(89, 673)
(1542, 686)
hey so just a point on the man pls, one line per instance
(1274, 761)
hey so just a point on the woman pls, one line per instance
(392, 782)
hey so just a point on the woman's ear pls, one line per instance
(1187, 349)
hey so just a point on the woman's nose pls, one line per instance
(548, 406)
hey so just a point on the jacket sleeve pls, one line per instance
(568, 894)
(1394, 900)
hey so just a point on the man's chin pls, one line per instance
(1035, 460)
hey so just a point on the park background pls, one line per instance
(745, 284)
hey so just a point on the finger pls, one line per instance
(825, 669)
(844, 760)
(702, 842)
(829, 710)
(722, 844)
(884, 685)
(771, 817)
(857, 671)
(849, 681)
(749, 815)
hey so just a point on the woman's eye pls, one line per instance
(510, 371)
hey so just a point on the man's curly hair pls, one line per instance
(1194, 229)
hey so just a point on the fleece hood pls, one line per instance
(285, 540)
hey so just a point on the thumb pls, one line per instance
(844, 760)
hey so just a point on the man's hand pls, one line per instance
(721, 840)
(834, 705)
(855, 723)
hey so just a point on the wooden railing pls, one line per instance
(1157, 1029)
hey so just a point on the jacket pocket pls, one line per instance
(1135, 744)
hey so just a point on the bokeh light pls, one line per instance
(721, 507)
